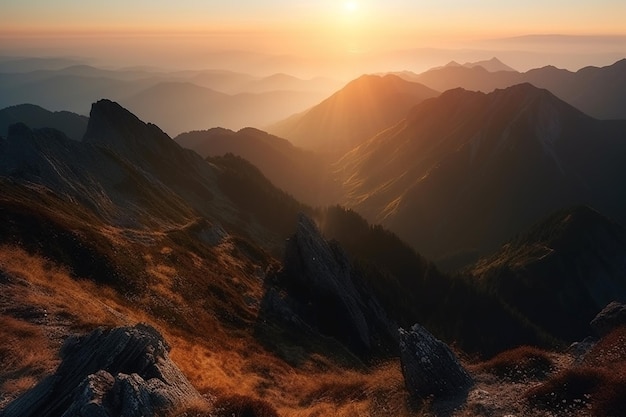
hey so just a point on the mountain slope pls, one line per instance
(129, 173)
(466, 170)
(352, 115)
(72, 124)
(127, 226)
(301, 173)
(561, 272)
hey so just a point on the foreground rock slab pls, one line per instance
(430, 368)
(125, 371)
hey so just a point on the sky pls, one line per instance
(314, 30)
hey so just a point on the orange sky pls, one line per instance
(322, 29)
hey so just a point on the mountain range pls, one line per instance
(72, 124)
(599, 92)
(303, 174)
(181, 106)
(213, 97)
(126, 184)
(491, 65)
(466, 170)
(253, 285)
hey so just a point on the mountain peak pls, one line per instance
(490, 65)
(570, 225)
(523, 90)
(113, 126)
(527, 96)
(361, 109)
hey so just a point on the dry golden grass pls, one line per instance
(317, 389)
(220, 362)
(29, 351)
(49, 286)
(519, 364)
(25, 355)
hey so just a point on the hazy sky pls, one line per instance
(484, 17)
(139, 28)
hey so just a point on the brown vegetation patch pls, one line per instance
(519, 364)
(25, 357)
(243, 406)
(609, 351)
(600, 390)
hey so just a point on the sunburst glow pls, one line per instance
(350, 6)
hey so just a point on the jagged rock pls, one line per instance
(124, 371)
(429, 367)
(318, 286)
(611, 316)
(580, 349)
(323, 268)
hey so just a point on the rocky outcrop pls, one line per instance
(110, 125)
(611, 316)
(125, 371)
(317, 286)
(429, 367)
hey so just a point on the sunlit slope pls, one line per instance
(352, 115)
(466, 170)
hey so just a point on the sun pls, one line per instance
(350, 7)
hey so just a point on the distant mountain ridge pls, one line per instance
(210, 97)
(598, 92)
(184, 106)
(491, 65)
(72, 124)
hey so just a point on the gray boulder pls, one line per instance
(429, 367)
(611, 316)
(125, 371)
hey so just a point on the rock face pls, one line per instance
(611, 316)
(429, 367)
(124, 371)
(317, 286)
